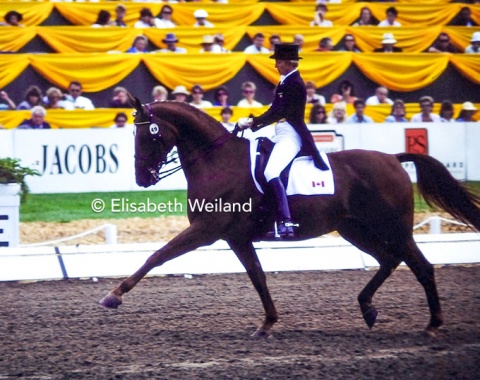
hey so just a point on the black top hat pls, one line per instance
(9, 14)
(286, 52)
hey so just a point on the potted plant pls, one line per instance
(12, 177)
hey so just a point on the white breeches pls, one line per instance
(287, 145)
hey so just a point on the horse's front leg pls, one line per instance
(247, 255)
(186, 241)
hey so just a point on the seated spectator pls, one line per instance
(5, 102)
(120, 98)
(274, 39)
(349, 44)
(207, 44)
(139, 45)
(37, 121)
(318, 114)
(346, 93)
(159, 94)
(33, 97)
(338, 114)
(103, 19)
(226, 114)
(201, 17)
(397, 115)
(12, 18)
(325, 45)
(359, 115)
(120, 12)
(146, 19)
(392, 14)
(164, 19)
(312, 96)
(180, 94)
(121, 121)
(300, 40)
(220, 97)
(380, 97)
(248, 101)
(426, 116)
(443, 45)
(467, 112)
(56, 100)
(365, 19)
(319, 16)
(446, 112)
(257, 46)
(218, 41)
(388, 43)
(474, 47)
(464, 18)
(171, 41)
(76, 98)
(197, 95)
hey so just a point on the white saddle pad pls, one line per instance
(304, 177)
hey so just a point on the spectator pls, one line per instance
(120, 12)
(33, 97)
(180, 94)
(274, 39)
(257, 46)
(5, 102)
(397, 114)
(103, 19)
(443, 45)
(146, 19)
(319, 16)
(349, 44)
(171, 41)
(226, 114)
(12, 18)
(76, 98)
(346, 93)
(467, 112)
(207, 44)
(392, 14)
(365, 18)
(426, 116)
(338, 114)
(56, 100)
(248, 101)
(380, 97)
(359, 115)
(139, 45)
(220, 97)
(201, 17)
(120, 98)
(197, 95)
(474, 47)
(159, 94)
(318, 114)
(446, 112)
(218, 41)
(325, 45)
(37, 121)
(164, 19)
(388, 43)
(312, 96)
(300, 40)
(464, 18)
(121, 121)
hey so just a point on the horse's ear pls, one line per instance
(135, 102)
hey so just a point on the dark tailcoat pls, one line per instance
(289, 104)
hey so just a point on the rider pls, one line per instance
(291, 132)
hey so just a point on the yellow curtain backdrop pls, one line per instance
(468, 65)
(13, 39)
(34, 13)
(11, 66)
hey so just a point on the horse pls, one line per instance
(372, 207)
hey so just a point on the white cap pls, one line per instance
(180, 90)
(200, 13)
(468, 106)
(475, 37)
(388, 38)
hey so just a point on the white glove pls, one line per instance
(245, 122)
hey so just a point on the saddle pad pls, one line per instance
(304, 178)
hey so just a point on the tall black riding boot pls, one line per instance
(284, 221)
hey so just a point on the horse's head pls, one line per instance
(154, 139)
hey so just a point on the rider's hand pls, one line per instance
(245, 122)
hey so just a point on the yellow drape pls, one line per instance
(34, 13)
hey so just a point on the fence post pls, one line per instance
(435, 225)
(111, 234)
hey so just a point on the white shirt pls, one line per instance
(322, 23)
(252, 49)
(203, 104)
(245, 104)
(177, 50)
(373, 101)
(417, 118)
(81, 102)
(386, 23)
(470, 50)
(160, 23)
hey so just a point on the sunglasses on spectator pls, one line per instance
(222, 93)
(197, 92)
(75, 90)
(444, 40)
(248, 91)
(425, 105)
(350, 40)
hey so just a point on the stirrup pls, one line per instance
(282, 231)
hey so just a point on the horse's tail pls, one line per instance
(439, 188)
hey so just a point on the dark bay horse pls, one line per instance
(372, 208)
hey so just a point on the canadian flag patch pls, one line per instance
(316, 184)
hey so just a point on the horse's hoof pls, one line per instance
(111, 301)
(370, 316)
(261, 333)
